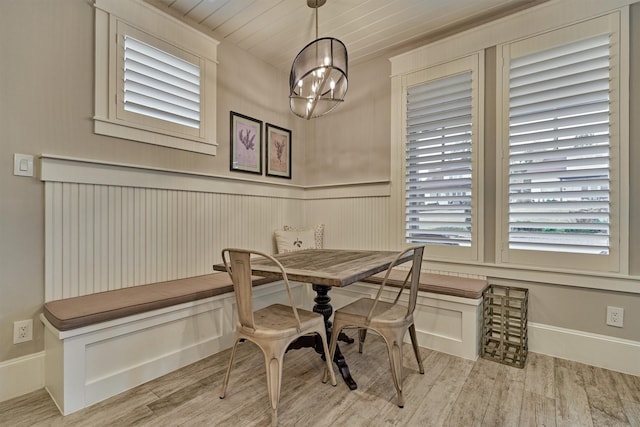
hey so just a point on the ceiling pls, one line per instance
(276, 30)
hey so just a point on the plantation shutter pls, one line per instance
(438, 161)
(559, 149)
(160, 85)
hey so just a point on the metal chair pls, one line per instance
(271, 328)
(390, 320)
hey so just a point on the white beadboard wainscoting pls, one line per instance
(110, 226)
(104, 237)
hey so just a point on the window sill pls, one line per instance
(118, 130)
(593, 280)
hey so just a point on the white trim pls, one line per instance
(117, 129)
(592, 349)
(348, 190)
(547, 16)
(624, 120)
(163, 25)
(86, 171)
(521, 273)
(21, 375)
(136, 14)
(89, 171)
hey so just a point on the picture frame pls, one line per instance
(246, 144)
(278, 152)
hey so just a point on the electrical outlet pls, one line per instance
(615, 316)
(22, 331)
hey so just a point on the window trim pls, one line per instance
(545, 17)
(145, 19)
(615, 260)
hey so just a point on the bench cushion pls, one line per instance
(463, 287)
(76, 312)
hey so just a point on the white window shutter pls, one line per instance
(160, 85)
(438, 161)
(559, 149)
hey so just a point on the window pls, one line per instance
(441, 144)
(155, 78)
(560, 145)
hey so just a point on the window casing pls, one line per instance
(176, 113)
(441, 145)
(560, 148)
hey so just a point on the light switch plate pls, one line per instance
(22, 164)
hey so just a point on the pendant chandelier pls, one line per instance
(318, 79)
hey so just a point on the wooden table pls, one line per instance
(325, 268)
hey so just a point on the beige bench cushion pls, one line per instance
(76, 312)
(437, 283)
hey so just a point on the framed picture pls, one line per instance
(246, 144)
(278, 151)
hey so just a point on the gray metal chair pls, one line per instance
(271, 328)
(390, 320)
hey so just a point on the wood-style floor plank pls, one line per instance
(452, 392)
(437, 403)
(540, 375)
(507, 393)
(469, 408)
(537, 411)
(606, 406)
(572, 404)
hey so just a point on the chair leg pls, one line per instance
(274, 378)
(226, 376)
(337, 327)
(329, 361)
(416, 349)
(362, 335)
(395, 360)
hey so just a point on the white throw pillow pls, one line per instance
(318, 232)
(289, 241)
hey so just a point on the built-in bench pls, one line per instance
(448, 314)
(102, 344)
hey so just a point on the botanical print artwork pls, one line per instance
(278, 151)
(278, 156)
(246, 154)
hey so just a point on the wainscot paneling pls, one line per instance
(104, 237)
(109, 226)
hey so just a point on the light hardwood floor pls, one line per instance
(452, 392)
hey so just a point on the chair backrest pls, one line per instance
(238, 265)
(412, 277)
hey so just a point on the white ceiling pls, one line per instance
(276, 30)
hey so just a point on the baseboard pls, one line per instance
(21, 375)
(603, 351)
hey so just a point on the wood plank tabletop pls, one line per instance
(332, 267)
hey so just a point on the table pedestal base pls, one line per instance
(323, 306)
